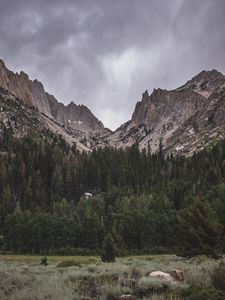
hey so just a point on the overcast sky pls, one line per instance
(105, 53)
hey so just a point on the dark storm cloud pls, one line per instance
(105, 53)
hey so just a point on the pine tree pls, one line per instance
(198, 231)
(109, 249)
(7, 201)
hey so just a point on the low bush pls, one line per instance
(64, 251)
(199, 259)
(148, 286)
(198, 293)
(199, 276)
(109, 249)
(44, 261)
(68, 263)
(114, 293)
(218, 277)
(150, 251)
(1, 242)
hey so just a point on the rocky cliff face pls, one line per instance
(32, 93)
(76, 120)
(74, 116)
(184, 120)
(23, 119)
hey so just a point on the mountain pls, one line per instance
(184, 120)
(75, 123)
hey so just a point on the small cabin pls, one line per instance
(88, 195)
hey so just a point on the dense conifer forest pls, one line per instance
(142, 200)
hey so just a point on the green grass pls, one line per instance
(51, 259)
(78, 258)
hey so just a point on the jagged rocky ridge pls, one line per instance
(185, 120)
(75, 123)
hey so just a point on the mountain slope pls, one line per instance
(184, 119)
(23, 119)
(75, 120)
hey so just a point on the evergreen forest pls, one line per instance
(146, 203)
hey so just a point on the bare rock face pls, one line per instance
(205, 83)
(184, 120)
(30, 92)
(33, 93)
(75, 120)
(74, 116)
(23, 119)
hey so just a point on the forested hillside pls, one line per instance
(137, 197)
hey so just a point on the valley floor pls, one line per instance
(85, 277)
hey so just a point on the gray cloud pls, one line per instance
(105, 53)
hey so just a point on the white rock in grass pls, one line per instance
(162, 275)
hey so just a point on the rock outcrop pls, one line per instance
(75, 120)
(23, 119)
(184, 120)
(32, 93)
(74, 116)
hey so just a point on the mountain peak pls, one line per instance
(195, 109)
(208, 75)
(24, 75)
(183, 119)
(204, 83)
(71, 105)
(33, 94)
(145, 94)
(2, 64)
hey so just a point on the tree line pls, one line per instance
(138, 198)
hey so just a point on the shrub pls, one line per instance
(152, 282)
(218, 277)
(148, 286)
(198, 293)
(199, 276)
(44, 261)
(199, 259)
(114, 293)
(135, 272)
(109, 249)
(68, 263)
(198, 231)
(1, 241)
(91, 269)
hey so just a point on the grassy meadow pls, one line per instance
(86, 277)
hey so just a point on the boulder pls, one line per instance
(178, 275)
(162, 275)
